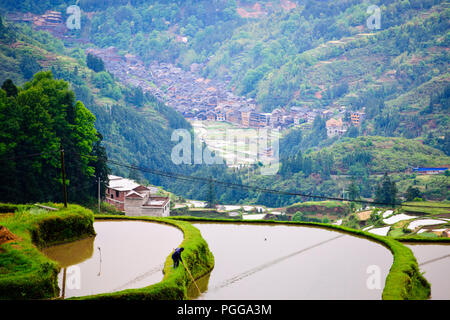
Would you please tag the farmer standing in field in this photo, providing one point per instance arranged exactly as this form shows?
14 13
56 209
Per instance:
176 257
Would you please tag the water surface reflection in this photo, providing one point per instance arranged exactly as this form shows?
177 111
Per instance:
292 262
123 255
434 261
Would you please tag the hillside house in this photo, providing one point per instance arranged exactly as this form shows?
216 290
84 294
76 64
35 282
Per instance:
437 170
245 117
264 119
446 233
155 206
211 116
335 127
356 117
275 117
234 116
134 199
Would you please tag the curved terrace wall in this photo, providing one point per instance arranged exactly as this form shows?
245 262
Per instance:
36 276
25 272
174 286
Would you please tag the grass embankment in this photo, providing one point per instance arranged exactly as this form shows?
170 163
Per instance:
429 210
427 207
202 213
404 281
26 273
174 286
320 207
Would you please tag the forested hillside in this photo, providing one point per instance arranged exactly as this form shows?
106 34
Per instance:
136 129
284 54
302 53
38 120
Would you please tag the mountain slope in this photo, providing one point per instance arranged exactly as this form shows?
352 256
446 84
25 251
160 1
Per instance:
133 134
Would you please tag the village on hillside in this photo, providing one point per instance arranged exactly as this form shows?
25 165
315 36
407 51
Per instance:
197 98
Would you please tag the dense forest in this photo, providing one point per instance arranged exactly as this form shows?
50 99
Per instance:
39 121
319 54
135 128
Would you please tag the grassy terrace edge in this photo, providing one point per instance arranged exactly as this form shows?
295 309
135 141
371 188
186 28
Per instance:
174 286
404 281
25 272
38 277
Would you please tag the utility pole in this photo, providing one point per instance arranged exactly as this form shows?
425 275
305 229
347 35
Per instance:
98 194
211 198
63 173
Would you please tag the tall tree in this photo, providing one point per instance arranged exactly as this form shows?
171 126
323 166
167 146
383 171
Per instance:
353 190
41 119
412 193
95 63
319 129
386 191
10 88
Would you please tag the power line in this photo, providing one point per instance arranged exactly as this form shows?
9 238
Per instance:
191 178
31 155
239 186
255 188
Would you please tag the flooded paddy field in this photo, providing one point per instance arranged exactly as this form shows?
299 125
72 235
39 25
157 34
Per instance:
292 262
434 260
123 255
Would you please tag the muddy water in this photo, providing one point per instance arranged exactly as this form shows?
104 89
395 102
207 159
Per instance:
123 255
291 262
434 260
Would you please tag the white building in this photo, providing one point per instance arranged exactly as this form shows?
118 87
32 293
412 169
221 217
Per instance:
136 200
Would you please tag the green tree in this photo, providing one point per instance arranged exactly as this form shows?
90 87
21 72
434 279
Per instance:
353 132
211 194
10 88
353 190
386 191
95 63
319 128
29 65
135 174
412 193
298 216
41 119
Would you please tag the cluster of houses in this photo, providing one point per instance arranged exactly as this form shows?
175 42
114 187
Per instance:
135 199
337 127
184 90
198 98
50 21
281 118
